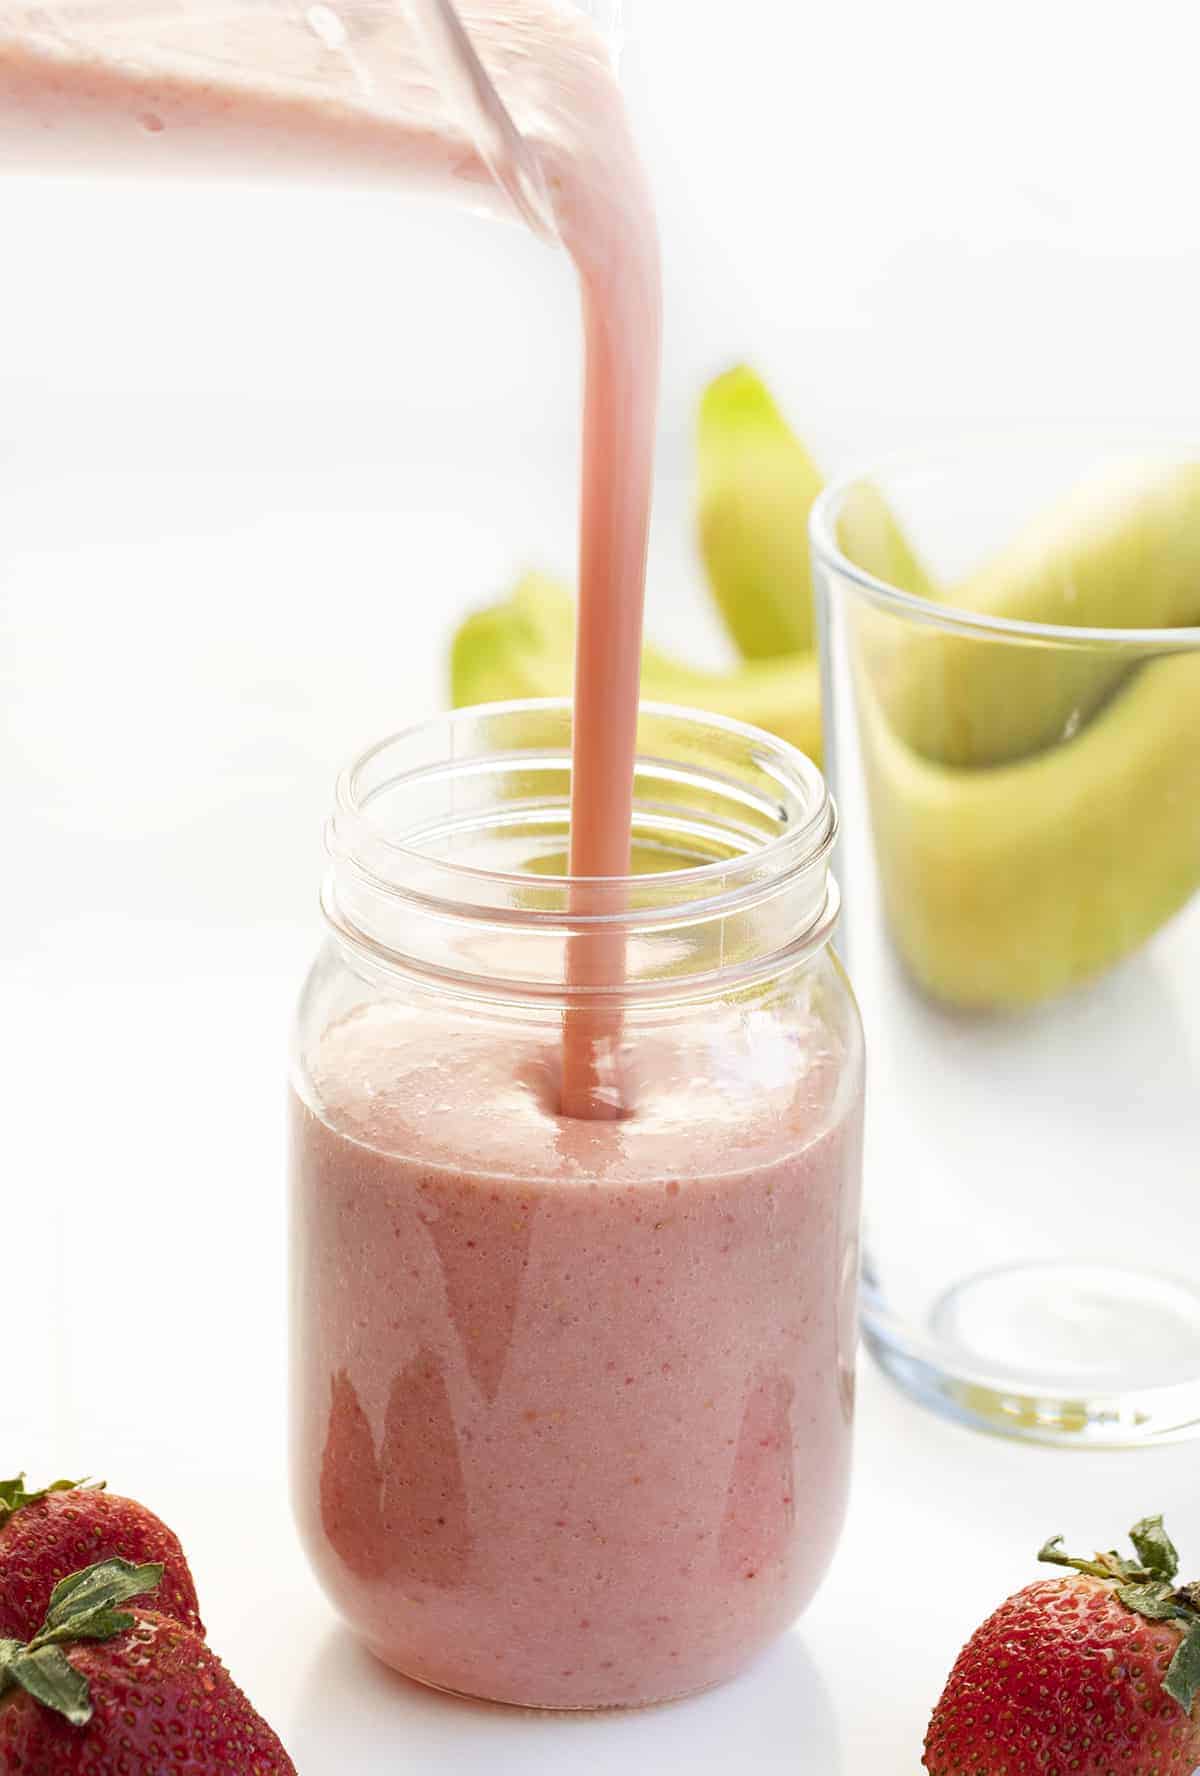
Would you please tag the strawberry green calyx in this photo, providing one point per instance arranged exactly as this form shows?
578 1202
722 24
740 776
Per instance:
1156 1560
1147 1586
13 1495
82 1607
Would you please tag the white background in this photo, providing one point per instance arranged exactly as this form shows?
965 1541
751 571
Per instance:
260 451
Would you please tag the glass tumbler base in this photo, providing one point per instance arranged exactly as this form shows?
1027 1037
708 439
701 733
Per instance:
1055 1352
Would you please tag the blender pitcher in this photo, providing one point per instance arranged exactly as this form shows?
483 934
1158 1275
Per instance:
422 92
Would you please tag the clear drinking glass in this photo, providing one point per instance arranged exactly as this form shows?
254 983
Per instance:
1017 769
572 1398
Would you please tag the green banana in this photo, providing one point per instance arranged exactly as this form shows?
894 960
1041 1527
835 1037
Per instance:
869 536
1117 553
524 646
1035 809
1008 885
756 486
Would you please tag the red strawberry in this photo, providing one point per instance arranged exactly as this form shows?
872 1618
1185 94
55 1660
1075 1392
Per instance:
46 1535
108 1691
1084 1676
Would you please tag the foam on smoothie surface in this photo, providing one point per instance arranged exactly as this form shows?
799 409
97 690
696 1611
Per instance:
405 1084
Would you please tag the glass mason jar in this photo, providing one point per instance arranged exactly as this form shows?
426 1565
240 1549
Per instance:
572 1398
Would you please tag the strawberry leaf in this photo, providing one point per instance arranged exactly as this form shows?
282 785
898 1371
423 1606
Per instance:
76 1603
1155 1600
47 1676
12 1491
81 1608
1183 1673
100 1623
1155 1549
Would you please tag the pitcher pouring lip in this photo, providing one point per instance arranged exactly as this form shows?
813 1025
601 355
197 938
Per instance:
483 113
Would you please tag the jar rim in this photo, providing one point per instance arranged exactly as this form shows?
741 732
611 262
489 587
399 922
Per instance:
496 778
804 842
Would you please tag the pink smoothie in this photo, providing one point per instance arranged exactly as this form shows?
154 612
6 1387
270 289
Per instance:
573 1397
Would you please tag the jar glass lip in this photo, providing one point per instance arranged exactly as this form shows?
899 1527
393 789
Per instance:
823 535
449 843
805 830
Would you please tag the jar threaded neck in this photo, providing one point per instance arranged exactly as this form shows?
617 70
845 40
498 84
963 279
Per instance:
448 856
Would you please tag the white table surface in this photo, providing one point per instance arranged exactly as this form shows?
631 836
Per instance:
198 622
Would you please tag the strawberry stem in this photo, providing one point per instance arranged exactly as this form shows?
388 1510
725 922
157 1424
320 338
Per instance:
1100 1566
1156 1556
